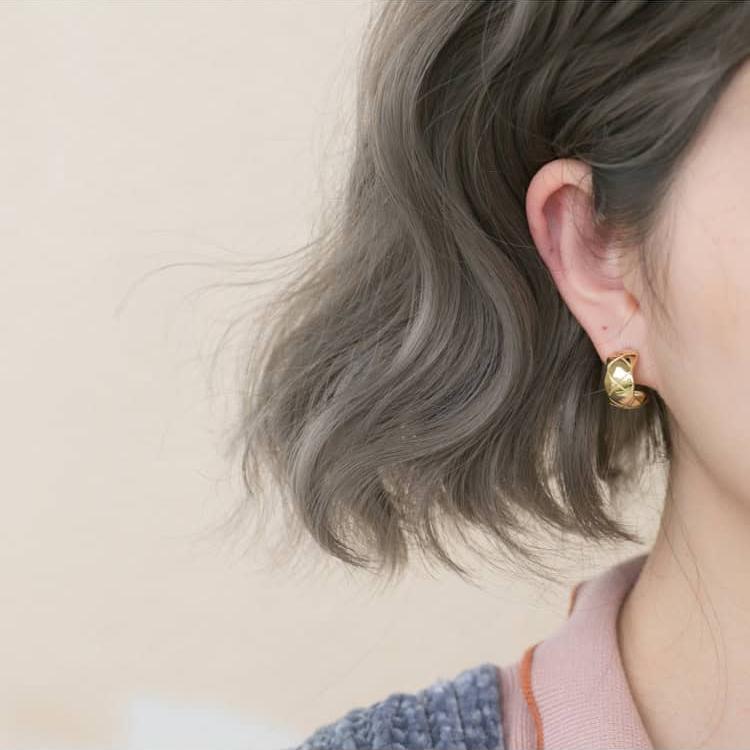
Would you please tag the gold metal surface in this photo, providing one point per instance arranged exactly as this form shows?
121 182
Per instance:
619 381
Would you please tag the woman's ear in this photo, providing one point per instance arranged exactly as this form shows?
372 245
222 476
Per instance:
596 282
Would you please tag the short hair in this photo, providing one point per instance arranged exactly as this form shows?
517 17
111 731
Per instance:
421 368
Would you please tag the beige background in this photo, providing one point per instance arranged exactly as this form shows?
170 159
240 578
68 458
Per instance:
134 135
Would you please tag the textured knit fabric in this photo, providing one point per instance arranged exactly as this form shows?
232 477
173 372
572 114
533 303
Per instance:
462 713
567 692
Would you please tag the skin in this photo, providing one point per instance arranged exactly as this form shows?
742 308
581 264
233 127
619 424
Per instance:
684 628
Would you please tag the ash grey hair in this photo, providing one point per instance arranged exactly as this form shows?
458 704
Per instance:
422 368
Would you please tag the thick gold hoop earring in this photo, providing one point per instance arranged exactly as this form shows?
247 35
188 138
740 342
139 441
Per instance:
619 381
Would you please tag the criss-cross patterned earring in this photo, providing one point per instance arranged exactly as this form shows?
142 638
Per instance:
619 381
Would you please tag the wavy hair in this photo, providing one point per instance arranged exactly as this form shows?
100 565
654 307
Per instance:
421 370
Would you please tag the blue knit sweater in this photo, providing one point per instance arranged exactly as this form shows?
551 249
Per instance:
462 713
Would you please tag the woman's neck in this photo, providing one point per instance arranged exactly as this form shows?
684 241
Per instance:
683 628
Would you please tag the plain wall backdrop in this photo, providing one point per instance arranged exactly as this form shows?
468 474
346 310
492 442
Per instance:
135 135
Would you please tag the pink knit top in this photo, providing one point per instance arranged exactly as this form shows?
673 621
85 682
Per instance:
569 691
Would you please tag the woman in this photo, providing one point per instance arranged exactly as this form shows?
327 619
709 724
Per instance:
538 287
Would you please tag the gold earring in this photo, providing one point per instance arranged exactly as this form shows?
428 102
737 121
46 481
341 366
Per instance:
620 383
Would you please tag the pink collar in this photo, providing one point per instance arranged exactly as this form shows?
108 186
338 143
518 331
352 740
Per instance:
570 691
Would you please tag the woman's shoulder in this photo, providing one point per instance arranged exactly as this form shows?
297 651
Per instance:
463 711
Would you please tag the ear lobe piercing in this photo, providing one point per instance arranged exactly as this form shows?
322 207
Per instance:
619 381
